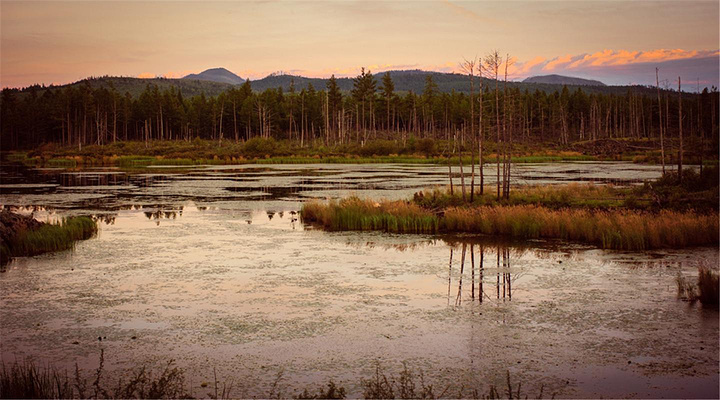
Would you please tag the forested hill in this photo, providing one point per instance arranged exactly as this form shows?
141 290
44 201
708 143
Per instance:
221 75
562 80
135 86
414 80
405 81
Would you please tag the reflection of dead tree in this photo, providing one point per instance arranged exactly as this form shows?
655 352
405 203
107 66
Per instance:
503 277
450 274
472 268
458 299
481 270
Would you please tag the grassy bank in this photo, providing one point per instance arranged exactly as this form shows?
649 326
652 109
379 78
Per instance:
265 151
412 150
48 238
660 214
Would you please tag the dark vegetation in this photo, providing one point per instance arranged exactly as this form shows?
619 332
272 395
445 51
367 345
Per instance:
330 114
562 80
27 380
260 150
705 290
661 214
22 236
221 75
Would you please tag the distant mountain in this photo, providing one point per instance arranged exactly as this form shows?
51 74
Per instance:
135 86
405 81
414 80
562 80
220 75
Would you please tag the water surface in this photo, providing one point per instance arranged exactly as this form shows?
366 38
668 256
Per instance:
210 266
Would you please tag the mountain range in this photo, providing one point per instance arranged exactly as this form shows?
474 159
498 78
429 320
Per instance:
214 81
562 80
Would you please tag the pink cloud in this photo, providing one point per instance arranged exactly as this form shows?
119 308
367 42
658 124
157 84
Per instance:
609 57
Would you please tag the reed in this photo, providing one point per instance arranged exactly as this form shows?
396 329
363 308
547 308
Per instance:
708 285
355 214
551 196
608 229
52 237
26 380
706 290
620 229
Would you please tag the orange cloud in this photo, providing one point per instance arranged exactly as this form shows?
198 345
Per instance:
146 75
557 61
517 68
609 57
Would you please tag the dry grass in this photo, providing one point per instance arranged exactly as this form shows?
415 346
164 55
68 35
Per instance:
620 229
613 229
26 380
354 214
552 196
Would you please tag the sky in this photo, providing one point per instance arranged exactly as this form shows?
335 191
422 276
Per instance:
616 42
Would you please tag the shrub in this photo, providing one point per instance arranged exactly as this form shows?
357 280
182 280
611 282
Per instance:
259 147
379 148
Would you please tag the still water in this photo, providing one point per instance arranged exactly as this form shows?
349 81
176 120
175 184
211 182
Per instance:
211 267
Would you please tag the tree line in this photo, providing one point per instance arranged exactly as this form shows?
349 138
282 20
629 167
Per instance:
79 115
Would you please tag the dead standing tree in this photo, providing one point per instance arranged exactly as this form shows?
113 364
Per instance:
480 132
507 135
468 66
680 132
660 125
492 63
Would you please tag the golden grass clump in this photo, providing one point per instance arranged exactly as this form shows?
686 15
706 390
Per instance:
614 229
355 214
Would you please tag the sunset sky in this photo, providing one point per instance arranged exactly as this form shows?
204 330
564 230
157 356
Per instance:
616 42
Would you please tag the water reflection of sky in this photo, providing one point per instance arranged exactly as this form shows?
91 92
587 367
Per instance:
239 284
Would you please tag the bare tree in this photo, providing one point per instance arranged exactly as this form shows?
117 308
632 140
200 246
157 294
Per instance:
492 62
507 135
480 132
680 133
662 143
469 68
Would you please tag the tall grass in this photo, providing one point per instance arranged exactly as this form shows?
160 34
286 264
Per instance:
706 290
551 196
52 237
354 214
28 381
620 229
608 229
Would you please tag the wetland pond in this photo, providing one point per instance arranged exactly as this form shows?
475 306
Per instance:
211 267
